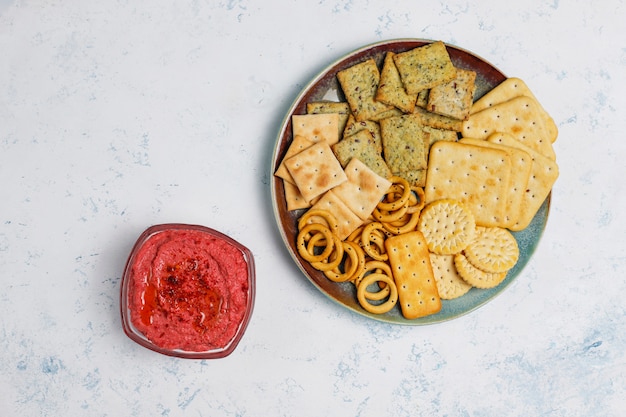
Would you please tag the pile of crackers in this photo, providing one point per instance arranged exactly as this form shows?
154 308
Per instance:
483 168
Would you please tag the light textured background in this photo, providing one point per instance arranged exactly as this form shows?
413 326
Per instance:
115 115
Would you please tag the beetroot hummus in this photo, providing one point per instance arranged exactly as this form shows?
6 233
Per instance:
189 289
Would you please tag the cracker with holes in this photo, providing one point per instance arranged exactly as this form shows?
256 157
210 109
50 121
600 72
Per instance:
476 175
315 170
298 144
521 163
363 189
520 117
494 249
409 259
448 226
359 84
294 198
341 108
455 97
391 90
543 174
424 67
346 219
316 127
449 282
509 89
476 277
361 145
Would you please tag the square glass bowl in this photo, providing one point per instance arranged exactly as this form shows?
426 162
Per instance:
187 291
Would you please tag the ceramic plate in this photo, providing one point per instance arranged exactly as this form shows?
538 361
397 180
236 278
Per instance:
325 87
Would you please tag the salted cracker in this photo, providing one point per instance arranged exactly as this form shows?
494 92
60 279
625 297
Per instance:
391 89
519 117
511 88
418 295
455 97
341 108
475 276
494 249
424 67
363 189
448 226
476 175
347 220
543 174
315 170
297 145
359 84
316 127
294 198
449 282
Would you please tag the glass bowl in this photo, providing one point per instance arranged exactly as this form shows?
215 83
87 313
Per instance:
187 291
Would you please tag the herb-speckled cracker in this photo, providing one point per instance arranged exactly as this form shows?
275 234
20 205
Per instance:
424 67
359 84
455 97
325 107
448 226
391 90
352 127
361 145
405 143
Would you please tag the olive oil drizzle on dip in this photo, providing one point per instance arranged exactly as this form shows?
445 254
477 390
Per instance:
188 290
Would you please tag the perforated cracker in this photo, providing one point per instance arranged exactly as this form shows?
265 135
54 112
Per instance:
346 219
449 282
494 249
477 277
316 127
447 225
298 144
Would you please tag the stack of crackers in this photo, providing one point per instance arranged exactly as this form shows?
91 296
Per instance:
485 168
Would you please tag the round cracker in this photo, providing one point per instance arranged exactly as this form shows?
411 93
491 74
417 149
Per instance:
449 282
447 225
474 276
494 249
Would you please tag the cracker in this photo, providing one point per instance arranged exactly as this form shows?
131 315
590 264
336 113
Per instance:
341 108
346 219
315 170
518 117
440 134
359 84
361 145
316 127
391 90
437 120
494 249
449 282
405 143
511 88
447 225
416 177
424 67
476 175
412 272
422 98
294 198
543 174
455 97
298 144
352 127
477 277
521 163
363 190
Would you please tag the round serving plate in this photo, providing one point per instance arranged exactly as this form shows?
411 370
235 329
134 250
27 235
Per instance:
326 87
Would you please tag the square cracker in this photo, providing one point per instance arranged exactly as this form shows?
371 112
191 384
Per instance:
361 145
348 221
352 127
341 108
391 90
521 163
298 144
294 198
405 143
438 121
455 97
520 117
424 67
363 190
359 84
511 88
316 127
413 274
476 175
315 170
543 174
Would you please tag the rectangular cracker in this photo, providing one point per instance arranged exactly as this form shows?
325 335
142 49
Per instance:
315 170
413 274
455 97
521 163
511 88
476 175
520 117
325 107
316 127
363 190
359 84
348 221
405 143
424 67
543 174
391 90
361 145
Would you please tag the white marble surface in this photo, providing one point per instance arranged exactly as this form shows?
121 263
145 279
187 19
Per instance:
118 115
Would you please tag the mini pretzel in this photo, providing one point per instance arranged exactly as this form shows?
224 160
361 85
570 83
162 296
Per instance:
353 265
364 295
404 195
368 237
330 219
335 257
302 246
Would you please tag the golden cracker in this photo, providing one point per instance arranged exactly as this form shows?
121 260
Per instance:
477 277
448 226
316 127
449 282
494 249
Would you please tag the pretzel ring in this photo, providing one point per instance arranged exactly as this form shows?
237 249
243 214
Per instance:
390 216
354 263
367 237
335 257
363 294
302 246
410 225
419 195
404 197
330 219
